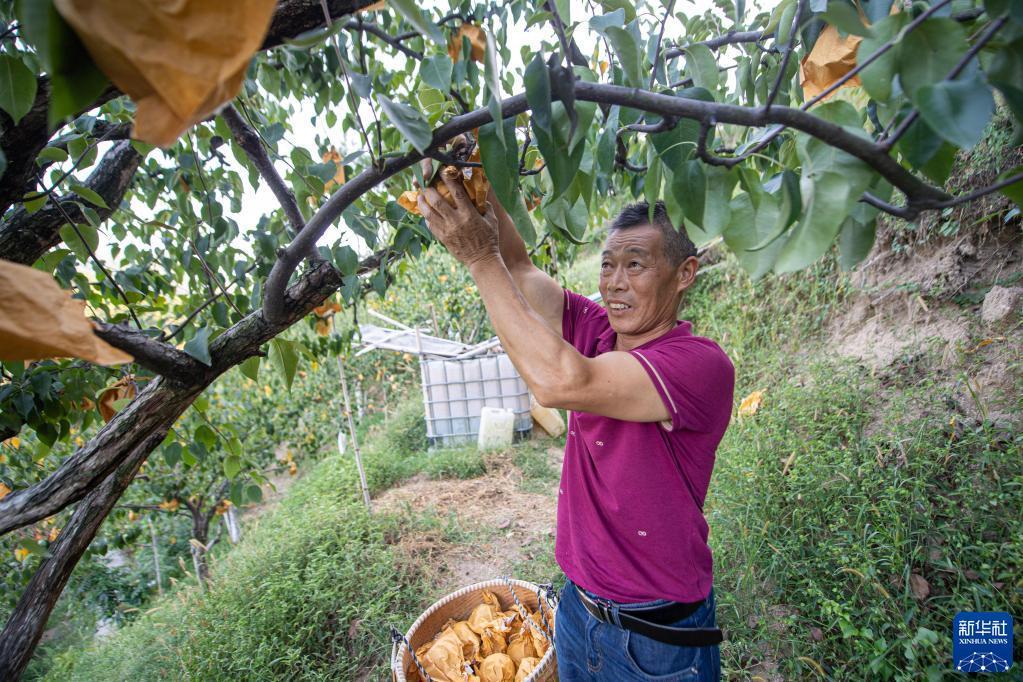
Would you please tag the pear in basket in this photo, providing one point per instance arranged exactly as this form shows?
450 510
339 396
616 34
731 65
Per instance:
469 639
526 668
493 642
487 615
521 646
497 668
442 658
514 619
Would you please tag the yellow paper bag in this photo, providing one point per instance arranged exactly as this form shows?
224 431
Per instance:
179 60
831 58
40 320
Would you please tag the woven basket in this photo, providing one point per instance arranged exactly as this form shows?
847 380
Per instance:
459 605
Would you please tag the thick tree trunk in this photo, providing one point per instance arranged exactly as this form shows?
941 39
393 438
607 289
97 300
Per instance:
28 620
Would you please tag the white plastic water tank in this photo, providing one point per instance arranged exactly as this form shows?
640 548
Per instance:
497 426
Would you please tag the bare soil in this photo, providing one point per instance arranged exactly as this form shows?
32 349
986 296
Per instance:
497 518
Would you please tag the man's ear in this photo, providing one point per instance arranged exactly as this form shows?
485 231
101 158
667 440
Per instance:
685 273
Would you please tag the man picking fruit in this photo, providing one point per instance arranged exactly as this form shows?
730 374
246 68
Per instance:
649 403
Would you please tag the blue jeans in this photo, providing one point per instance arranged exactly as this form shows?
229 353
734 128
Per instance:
590 650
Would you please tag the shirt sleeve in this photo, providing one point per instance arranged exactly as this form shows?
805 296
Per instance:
577 314
695 380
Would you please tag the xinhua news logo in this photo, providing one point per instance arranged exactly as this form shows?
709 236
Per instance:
982 641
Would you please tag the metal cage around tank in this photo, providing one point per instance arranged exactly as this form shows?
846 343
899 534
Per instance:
458 380
455 391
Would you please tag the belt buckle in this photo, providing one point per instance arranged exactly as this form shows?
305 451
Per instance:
604 606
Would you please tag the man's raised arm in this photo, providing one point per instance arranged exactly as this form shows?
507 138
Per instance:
542 293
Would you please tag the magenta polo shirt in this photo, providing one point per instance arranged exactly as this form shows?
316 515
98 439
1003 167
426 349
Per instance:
630 509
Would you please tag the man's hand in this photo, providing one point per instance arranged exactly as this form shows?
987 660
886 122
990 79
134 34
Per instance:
469 236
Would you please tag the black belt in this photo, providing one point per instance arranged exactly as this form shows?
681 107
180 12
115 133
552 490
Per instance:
650 622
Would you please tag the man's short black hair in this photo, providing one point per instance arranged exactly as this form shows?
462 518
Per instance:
677 244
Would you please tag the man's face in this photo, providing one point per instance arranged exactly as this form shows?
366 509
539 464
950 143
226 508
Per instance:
638 283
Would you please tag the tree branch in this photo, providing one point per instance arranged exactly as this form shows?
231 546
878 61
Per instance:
156 356
25 237
393 41
665 105
730 38
294 17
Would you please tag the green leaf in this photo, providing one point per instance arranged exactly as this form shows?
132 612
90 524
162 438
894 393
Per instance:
1005 72
677 145
232 465
89 236
702 67
1015 190
855 241
500 158
957 110
652 179
55 154
324 171
689 189
492 74
205 435
877 78
34 204
17 87
939 166
561 159
409 9
284 358
717 205
748 228
845 18
928 53
346 260
199 346
253 492
606 21
919 143
250 367
89 195
436 72
569 220
628 47
409 122
538 93
172 453
625 5
75 80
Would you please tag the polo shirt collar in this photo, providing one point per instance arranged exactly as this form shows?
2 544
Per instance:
606 339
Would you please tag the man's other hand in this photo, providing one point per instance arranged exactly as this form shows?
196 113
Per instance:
469 236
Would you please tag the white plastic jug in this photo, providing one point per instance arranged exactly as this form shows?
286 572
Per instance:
496 428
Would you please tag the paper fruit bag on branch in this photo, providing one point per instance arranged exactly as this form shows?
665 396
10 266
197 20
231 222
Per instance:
40 320
179 60
831 58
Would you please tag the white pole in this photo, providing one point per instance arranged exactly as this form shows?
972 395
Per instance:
351 431
156 557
